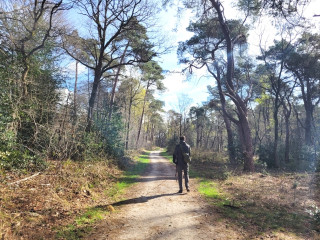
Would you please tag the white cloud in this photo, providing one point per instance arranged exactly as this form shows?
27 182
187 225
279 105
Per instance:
71 68
194 87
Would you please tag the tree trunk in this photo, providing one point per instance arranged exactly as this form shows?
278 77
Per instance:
24 80
287 140
198 134
208 136
308 106
243 123
75 94
308 124
276 138
128 125
246 139
147 133
152 134
231 147
97 76
142 115
180 125
113 92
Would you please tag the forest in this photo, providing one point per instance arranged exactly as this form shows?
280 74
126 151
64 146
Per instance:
81 83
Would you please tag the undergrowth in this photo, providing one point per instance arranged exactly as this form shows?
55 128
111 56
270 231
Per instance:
83 224
65 200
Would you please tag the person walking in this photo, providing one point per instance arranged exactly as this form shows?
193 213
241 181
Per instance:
181 160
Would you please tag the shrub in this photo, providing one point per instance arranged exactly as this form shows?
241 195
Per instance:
172 144
19 159
265 153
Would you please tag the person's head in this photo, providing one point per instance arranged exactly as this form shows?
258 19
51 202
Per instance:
182 138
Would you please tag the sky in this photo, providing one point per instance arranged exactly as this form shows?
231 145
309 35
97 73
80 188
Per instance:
196 87
176 82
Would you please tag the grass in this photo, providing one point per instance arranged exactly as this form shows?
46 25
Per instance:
209 189
165 154
90 216
139 167
134 170
82 225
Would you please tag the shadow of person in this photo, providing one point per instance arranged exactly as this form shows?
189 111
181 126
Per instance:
141 199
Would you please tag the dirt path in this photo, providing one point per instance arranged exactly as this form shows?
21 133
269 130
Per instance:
154 210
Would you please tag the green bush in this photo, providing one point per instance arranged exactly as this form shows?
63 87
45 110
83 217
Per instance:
18 159
266 156
14 156
93 146
304 158
172 144
110 132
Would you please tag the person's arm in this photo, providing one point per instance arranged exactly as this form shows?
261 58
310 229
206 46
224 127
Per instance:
174 157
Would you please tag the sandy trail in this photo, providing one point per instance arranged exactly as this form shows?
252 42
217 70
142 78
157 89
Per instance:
154 210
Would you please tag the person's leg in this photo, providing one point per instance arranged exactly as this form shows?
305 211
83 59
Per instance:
180 178
186 177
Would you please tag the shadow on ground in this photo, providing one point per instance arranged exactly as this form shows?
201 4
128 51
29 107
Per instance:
141 199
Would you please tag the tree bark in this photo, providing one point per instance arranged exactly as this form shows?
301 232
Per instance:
75 93
242 123
231 147
97 76
24 80
287 113
276 137
128 124
308 123
306 90
113 92
142 114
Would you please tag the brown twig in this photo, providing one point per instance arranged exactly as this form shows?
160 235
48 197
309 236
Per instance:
24 179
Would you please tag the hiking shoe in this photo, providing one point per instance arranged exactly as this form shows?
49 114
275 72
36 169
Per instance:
180 191
188 190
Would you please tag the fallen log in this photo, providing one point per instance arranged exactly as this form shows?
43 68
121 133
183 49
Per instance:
24 179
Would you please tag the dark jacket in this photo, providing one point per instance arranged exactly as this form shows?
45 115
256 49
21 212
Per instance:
177 154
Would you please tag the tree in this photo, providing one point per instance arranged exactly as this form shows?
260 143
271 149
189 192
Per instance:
153 118
138 41
151 77
183 103
274 60
303 62
28 30
287 10
132 93
173 123
198 114
287 109
106 49
214 34
221 105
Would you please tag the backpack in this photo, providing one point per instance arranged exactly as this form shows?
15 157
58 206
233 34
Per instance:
186 156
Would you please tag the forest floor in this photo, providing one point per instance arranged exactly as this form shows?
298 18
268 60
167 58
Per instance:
62 202
98 202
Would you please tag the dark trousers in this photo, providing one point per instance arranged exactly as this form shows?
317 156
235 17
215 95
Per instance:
185 169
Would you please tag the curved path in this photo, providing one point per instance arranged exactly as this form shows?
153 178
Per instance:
154 210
